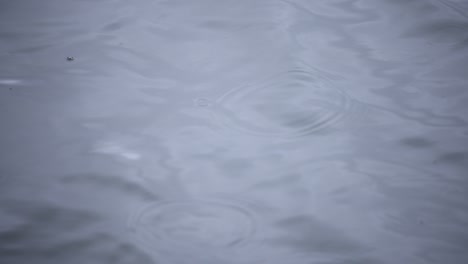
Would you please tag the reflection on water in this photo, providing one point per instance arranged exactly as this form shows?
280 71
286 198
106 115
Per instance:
211 131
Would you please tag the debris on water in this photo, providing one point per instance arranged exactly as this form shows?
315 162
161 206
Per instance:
70 58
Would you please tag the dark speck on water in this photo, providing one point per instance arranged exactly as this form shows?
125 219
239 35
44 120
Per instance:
70 58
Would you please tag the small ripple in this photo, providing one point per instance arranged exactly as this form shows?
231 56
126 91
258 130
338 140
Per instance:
417 142
167 227
440 31
421 115
202 102
295 103
110 182
10 82
455 6
116 149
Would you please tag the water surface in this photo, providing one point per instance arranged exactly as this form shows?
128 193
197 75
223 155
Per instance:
241 132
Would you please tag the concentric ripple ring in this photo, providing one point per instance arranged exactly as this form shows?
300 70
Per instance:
295 103
167 226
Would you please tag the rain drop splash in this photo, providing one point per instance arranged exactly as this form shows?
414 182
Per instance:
192 225
292 104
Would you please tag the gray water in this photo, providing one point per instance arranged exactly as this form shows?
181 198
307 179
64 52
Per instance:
240 132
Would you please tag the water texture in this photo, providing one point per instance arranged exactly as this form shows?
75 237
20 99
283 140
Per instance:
237 132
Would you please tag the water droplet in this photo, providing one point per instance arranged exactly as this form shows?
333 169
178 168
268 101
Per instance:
292 104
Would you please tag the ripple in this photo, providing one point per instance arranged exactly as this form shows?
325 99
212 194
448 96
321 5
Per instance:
202 102
192 224
292 104
10 82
